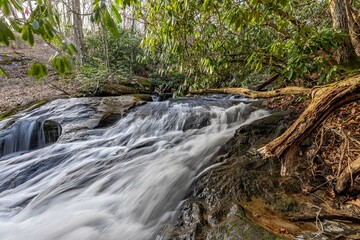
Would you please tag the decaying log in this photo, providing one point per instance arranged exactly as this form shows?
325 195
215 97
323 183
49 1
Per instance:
325 101
255 94
349 172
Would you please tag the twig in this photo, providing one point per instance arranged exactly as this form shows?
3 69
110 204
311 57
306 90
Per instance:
319 186
317 149
318 221
341 159
349 165
60 89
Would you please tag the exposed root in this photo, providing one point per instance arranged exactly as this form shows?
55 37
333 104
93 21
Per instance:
326 100
347 176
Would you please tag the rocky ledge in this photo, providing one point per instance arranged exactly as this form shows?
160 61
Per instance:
243 197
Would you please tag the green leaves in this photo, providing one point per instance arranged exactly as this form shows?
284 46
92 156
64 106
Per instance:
38 70
6 35
116 14
3 72
109 22
62 64
5 8
27 35
103 16
35 24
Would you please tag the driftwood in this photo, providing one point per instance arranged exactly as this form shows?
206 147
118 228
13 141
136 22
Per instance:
325 100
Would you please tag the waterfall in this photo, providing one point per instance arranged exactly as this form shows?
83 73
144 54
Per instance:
120 182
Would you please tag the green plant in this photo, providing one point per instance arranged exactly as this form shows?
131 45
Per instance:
124 52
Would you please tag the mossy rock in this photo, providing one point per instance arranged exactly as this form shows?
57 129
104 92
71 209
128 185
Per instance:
142 97
27 108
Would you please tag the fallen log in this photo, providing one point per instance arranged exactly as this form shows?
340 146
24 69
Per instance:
254 94
325 100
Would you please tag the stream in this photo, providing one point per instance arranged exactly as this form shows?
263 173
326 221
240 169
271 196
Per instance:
123 181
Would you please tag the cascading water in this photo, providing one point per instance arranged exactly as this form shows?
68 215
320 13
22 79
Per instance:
122 182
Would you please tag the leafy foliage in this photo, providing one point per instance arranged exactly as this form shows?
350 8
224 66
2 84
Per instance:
209 43
121 48
220 43
38 70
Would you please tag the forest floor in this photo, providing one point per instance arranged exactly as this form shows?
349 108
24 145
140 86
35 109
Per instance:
18 89
329 149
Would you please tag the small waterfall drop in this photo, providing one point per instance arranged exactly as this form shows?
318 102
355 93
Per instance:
121 182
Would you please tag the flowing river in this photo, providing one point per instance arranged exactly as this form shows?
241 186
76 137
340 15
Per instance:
123 181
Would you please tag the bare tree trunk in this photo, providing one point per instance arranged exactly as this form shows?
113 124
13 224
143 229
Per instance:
78 29
346 52
352 23
105 46
132 49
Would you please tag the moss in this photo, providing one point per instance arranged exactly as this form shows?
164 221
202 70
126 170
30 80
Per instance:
286 205
9 114
145 82
27 107
31 106
142 97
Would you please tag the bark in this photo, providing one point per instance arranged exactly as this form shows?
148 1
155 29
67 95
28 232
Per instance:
353 23
78 28
255 94
346 52
350 172
325 101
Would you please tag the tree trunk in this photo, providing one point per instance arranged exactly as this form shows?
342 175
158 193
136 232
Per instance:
353 23
78 29
325 101
346 52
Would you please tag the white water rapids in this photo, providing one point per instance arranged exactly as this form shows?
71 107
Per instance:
116 183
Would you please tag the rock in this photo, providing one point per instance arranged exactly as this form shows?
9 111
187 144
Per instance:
212 211
52 131
244 196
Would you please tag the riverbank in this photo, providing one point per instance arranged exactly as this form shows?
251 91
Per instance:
244 191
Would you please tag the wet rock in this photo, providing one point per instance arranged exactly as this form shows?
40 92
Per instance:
96 112
243 175
52 131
